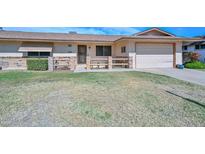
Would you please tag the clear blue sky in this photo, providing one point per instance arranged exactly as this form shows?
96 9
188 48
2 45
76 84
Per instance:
179 31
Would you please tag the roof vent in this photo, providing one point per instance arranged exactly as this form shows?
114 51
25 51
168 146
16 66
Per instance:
72 32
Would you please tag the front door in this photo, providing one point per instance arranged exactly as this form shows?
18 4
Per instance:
82 52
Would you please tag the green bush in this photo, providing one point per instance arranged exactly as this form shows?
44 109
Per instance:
195 65
37 64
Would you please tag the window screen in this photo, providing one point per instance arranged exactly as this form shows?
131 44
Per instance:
103 51
32 54
203 46
38 54
196 46
44 54
123 49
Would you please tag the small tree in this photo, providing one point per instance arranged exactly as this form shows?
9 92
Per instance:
194 56
190 57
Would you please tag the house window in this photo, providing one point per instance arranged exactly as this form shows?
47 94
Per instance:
203 46
123 49
184 48
38 54
33 54
196 46
70 50
103 51
44 54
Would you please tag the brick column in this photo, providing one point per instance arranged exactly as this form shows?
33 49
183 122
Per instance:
109 62
87 62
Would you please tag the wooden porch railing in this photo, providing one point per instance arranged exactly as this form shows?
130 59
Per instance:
108 62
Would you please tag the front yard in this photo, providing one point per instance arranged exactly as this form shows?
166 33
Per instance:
99 99
201 70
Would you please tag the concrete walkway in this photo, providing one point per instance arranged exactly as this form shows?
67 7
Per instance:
189 75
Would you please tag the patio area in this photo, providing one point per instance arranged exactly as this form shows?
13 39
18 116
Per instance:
108 62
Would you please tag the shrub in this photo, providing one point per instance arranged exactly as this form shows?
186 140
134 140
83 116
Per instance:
195 65
37 64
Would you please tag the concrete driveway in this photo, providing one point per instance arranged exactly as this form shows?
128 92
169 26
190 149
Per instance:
189 75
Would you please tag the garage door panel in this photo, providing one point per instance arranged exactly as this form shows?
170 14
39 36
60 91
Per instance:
154 49
154 55
154 61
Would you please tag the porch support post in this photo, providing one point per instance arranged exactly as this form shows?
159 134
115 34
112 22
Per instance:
132 58
87 62
174 55
109 62
130 62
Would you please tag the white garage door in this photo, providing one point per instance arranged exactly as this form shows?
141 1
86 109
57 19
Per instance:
154 55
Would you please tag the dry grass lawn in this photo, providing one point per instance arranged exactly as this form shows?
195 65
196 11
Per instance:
99 99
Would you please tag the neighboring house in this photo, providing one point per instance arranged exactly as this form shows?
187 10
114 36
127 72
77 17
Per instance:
153 48
198 47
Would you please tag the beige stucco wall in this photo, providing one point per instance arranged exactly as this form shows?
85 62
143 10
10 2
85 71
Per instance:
117 48
91 48
63 49
10 49
179 53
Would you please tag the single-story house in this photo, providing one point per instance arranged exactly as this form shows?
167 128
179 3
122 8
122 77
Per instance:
153 48
198 47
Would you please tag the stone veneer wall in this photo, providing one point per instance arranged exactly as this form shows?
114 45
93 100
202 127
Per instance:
50 64
12 63
62 63
54 63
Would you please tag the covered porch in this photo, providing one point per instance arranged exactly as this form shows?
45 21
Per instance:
104 56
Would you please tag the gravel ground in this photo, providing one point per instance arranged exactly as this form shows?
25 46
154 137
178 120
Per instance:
99 99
